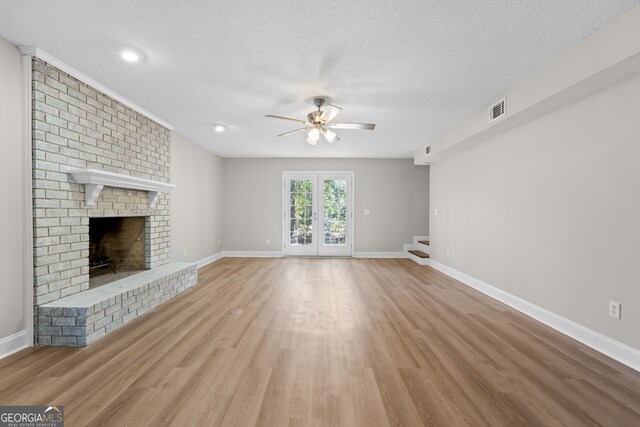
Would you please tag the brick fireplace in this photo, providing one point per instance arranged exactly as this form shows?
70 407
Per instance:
76 127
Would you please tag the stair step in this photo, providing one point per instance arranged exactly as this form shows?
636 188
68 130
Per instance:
419 254
424 242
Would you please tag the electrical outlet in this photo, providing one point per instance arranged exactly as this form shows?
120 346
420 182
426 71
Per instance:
367 211
218 242
185 252
614 309
448 253
267 242
435 211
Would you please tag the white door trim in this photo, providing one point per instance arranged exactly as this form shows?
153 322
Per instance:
351 226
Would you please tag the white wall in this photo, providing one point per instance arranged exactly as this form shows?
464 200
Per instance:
196 202
550 211
395 191
14 190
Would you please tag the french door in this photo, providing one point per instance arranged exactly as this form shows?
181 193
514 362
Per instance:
318 213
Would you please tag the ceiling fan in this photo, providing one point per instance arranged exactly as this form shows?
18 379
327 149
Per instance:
319 122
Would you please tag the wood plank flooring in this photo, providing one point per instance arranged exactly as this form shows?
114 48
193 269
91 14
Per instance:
344 342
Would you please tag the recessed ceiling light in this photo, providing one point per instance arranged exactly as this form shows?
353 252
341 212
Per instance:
131 55
219 128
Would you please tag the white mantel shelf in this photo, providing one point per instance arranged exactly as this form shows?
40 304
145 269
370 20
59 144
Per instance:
95 180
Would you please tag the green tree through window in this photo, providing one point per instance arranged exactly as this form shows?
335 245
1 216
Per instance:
335 212
301 212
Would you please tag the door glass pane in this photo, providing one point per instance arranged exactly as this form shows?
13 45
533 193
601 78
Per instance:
305 186
308 238
335 212
308 211
301 207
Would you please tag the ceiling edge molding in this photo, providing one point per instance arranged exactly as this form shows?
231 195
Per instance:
598 82
40 54
588 68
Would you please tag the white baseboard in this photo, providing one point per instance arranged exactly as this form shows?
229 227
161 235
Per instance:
379 255
610 347
208 260
13 343
279 254
253 254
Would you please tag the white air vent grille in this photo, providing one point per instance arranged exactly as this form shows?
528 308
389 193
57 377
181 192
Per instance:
497 110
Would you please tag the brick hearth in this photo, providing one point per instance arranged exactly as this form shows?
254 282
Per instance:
82 318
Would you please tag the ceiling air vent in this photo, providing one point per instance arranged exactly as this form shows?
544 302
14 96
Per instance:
497 110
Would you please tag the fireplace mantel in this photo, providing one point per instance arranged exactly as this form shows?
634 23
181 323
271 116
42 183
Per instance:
95 180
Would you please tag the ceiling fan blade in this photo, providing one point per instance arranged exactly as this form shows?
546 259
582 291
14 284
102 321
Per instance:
271 116
330 113
329 136
294 131
357 126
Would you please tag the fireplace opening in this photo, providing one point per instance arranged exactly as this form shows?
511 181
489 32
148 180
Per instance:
116 248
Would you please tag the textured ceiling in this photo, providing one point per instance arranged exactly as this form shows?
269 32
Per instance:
412 67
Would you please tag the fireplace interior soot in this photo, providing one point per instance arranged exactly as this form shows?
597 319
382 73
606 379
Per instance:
116 248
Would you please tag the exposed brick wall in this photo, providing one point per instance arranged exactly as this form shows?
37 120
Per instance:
76 126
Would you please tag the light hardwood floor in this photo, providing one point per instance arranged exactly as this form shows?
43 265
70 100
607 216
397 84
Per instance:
327 342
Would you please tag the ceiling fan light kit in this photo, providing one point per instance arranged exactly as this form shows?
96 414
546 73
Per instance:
313 136
330 136
318 123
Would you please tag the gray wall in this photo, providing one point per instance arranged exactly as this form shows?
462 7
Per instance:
13 218
196 202
395 191
549 211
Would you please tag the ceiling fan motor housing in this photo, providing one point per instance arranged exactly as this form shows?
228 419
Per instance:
314 118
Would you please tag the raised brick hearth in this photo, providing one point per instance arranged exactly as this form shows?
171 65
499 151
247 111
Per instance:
82 318
77 127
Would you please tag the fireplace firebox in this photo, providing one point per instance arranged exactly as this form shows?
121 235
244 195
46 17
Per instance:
116 248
